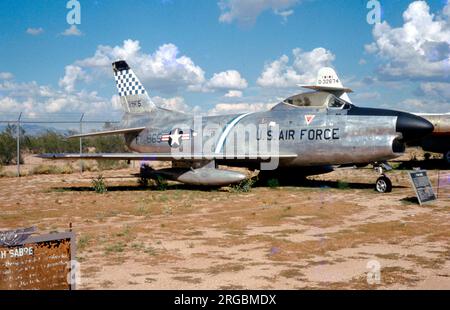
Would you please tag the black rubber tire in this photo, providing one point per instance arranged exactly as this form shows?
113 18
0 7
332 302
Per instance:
447 157
383 185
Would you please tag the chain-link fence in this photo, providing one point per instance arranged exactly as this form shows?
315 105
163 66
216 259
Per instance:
19 128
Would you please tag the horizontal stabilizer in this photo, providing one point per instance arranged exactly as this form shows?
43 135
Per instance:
109 132
328 88
163 156
328 81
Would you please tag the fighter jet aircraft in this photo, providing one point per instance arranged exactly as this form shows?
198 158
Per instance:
306 133
439 140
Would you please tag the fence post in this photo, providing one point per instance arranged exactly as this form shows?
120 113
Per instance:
81 143
18 144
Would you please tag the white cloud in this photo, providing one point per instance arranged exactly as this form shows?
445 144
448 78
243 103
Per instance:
72 75
234 94
165 69
230 79
247 11
231 108
413 103
421 105
420 49
32 98
431 97
174 104
436 90
6 75
35 31
303 70
72 31
8 104
284 14
116 102
366 96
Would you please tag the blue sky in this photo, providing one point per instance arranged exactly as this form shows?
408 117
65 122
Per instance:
229 53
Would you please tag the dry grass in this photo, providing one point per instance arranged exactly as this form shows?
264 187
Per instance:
219 239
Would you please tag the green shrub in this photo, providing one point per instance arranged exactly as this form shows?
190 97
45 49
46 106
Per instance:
244 186
161 183
83 241
88 165
8 145
342 185
111 164
99 185
115 248
66 169
273 183
8 174
143 181
51 169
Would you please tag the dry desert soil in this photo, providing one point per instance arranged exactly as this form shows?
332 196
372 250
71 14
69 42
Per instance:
325 233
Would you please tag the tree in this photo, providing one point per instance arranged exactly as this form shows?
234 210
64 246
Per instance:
8 147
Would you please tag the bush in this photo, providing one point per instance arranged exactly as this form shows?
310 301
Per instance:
161 183
52 142
343 185
51 169
273 183
8 145
8 174
66 169
99 185
111 164
143 182
244 187
88 165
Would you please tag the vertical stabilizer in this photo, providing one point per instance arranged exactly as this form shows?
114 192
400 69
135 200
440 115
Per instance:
133 96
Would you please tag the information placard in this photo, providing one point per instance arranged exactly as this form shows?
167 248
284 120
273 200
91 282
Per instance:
422 186
38 263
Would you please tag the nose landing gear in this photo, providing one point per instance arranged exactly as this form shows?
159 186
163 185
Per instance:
383 183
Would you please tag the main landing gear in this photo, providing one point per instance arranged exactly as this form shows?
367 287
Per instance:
383 183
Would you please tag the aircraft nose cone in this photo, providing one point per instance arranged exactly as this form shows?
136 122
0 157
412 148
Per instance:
413 127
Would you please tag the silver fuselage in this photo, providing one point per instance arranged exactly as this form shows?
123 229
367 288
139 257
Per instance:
332 137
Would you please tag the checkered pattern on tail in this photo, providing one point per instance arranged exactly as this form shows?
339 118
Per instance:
133 97
128 84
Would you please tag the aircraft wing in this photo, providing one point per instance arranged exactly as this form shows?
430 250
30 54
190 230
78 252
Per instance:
164 156
109 132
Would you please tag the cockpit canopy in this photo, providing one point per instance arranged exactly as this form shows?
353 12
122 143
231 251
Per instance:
317 99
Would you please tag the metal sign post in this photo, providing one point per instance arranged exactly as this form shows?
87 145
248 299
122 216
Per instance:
18 144
81 143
